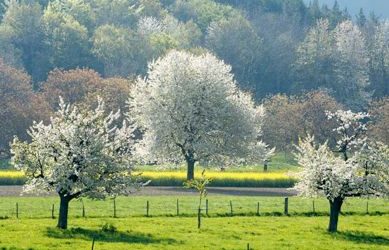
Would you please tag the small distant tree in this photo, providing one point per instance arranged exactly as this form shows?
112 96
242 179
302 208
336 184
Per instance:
236 42
379 58
79 154
22 22
66 38
283 121
81 87
200 185
19 105
73 86
122 51
335 59
314 118
355 168
379 127
289 117
191 110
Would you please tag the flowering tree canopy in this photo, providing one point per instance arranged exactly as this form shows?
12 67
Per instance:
358 167
191 110
79 154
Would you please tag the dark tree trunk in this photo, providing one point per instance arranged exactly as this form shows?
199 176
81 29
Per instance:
190 171
63 212
335 207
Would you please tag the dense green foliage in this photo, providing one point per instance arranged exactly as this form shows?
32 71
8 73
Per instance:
258 38
273 46
381 8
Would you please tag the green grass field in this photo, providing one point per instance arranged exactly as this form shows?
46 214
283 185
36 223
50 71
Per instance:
356 232
163 229
27 223
166 206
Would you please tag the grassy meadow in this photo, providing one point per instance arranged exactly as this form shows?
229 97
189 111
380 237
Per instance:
166 206
169 222
356 232
164 229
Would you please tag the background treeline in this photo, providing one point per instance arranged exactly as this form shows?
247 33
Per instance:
297 59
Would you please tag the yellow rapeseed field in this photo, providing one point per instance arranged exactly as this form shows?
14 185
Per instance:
182 175
11 174
218 175
222 179
176 178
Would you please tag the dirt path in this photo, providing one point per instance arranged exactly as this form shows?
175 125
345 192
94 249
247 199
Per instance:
179 191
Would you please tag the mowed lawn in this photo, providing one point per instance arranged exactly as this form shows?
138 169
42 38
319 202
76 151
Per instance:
356 232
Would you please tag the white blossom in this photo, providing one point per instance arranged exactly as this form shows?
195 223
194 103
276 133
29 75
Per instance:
358 167
79 153
148 25
351 130
191 109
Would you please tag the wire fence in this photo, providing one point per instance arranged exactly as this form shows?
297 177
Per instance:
212 207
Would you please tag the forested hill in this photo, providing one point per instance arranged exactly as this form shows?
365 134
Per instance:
379 7
83 48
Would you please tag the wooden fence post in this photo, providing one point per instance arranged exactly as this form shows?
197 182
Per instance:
17 210
83 210
206 207
52 211
114 207
286 208
178 208
258 208
367 207
313 206
147 208
232 212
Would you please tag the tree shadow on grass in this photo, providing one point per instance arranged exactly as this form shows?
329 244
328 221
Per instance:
362 237
99 235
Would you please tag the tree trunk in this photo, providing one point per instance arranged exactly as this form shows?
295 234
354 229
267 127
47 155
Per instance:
63 212
190 171
335 207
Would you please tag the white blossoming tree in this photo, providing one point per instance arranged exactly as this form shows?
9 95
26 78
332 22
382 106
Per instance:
79 154
357 167
191 110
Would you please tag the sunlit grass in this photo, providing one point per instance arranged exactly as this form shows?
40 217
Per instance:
162 206
356 232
